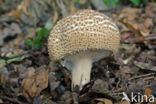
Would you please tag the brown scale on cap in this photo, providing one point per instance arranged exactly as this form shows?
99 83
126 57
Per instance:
83 37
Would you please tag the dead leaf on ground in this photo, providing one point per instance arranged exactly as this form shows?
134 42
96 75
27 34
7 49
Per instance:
130 13
136 28
145 66
1 2
148 22
147 93
123 102
149 10
15 13
55 13
11 31
104 101
53 83
62 5
23 7
24 73
2 80
33 85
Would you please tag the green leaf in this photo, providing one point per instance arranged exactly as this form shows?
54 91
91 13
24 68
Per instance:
76 1
135 2
115 2
29 43
107 3
17 59
41 32
37 45
2 61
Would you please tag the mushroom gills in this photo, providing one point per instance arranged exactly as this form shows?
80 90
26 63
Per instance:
80 65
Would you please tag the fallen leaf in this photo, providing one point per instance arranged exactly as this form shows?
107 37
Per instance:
55 13
101 86
2 63
15 13
1 2
62 5
26 72
145 66
148 22
53 83
147 93
2 80
149 10
136 28
33 85
133 11
123 102
11 31
4 76
67 97
104 101
23 7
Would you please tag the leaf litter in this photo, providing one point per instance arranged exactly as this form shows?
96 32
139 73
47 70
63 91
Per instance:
30 77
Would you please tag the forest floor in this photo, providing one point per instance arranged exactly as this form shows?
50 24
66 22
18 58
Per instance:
27 74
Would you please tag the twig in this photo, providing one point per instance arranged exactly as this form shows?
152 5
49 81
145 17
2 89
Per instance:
139 39
13 100
142 76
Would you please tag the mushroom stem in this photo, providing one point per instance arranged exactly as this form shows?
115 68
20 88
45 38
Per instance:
81 71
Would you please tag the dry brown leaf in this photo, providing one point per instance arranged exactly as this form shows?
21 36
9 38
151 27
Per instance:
123 102
147 93
23 7
1 2
149 9
27 72
130 13
104 101
55 15
131 25
148 22
2 80
33 85
15 13
136 28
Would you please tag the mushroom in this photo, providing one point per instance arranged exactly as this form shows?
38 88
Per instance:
80 39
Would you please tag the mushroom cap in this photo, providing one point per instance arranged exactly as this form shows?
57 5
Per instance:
82 31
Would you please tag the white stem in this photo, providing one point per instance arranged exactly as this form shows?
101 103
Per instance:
81 71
